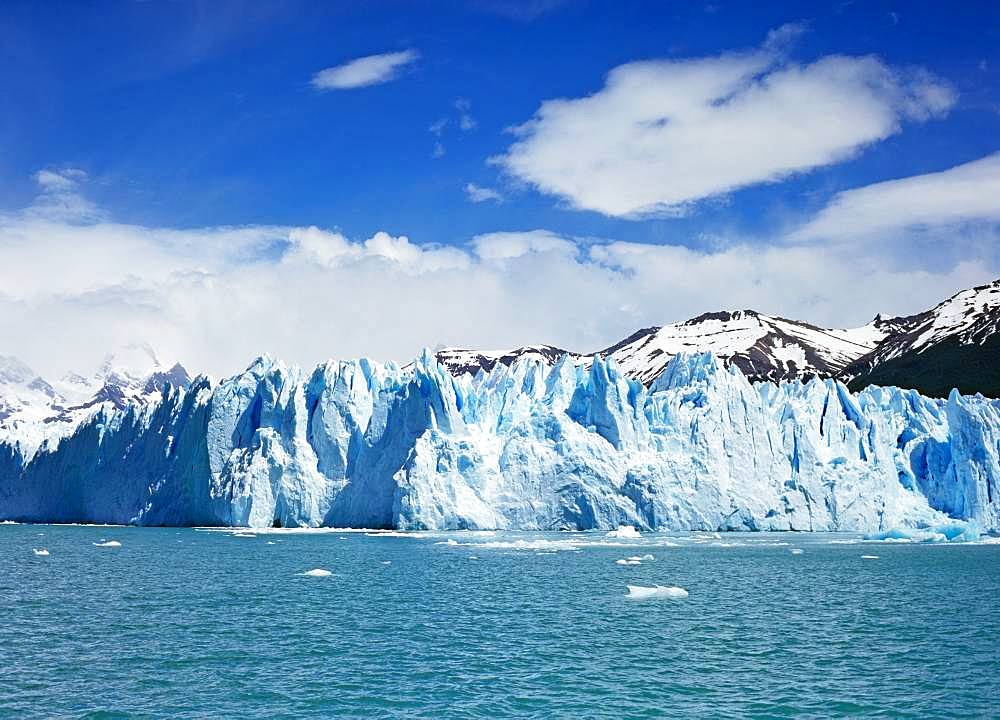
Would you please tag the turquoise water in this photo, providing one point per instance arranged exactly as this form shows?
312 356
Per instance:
189 623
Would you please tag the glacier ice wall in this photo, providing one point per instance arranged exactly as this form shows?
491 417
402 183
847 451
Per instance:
364 444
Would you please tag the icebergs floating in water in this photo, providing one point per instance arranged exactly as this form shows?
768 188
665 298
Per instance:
627 561
796 551
869 557
41 552
624 532
668 592
244 534
317 572
109 544
951 532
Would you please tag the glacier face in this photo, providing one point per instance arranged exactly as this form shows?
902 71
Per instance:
529 446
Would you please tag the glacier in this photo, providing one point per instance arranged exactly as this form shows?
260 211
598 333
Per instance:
531 446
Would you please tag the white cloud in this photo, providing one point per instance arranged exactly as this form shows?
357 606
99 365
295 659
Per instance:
465 120
216 297
963 194
479 194
437 127
58 196
365 71
438 151
663 134
508 245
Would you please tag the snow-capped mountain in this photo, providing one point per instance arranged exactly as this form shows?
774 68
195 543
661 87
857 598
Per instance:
33 410
955 344
762 346
459 361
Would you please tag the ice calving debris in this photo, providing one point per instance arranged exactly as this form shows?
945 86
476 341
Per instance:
628 561
473 557
638 592
796 551
869 557
624 532
41 552
551 545
109 543
270 542
244 534
387 562
449 541
647 556
317 572
950 532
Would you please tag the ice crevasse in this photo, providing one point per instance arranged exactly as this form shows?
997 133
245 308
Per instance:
530 446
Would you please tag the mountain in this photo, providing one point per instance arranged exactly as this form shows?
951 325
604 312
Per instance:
762 346
525 446
954 344
33 410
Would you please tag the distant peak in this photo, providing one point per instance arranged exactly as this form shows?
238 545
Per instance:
723 316
14 371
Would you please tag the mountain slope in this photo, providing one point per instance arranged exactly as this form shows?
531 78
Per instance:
762 346
952 345
33 411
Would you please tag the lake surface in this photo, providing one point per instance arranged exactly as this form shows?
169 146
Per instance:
195 624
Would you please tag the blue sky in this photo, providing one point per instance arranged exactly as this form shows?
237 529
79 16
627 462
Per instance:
172 122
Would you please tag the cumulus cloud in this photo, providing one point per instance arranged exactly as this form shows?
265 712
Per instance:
478 194
214 298
964 194
663 134
365 71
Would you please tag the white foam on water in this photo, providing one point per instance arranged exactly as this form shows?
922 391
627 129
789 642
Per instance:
109 543
40 552
666 592
796 551
624 532
869 557
538 544
317 572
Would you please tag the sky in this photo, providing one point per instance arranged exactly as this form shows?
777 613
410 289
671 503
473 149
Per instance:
333 180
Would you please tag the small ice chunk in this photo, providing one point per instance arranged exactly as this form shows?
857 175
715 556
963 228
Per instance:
387 562
270 542
647 557
639 592
621 562
245 534
796 551
109 543
869 557
637 558
41 552
473 557
624 532
317 572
